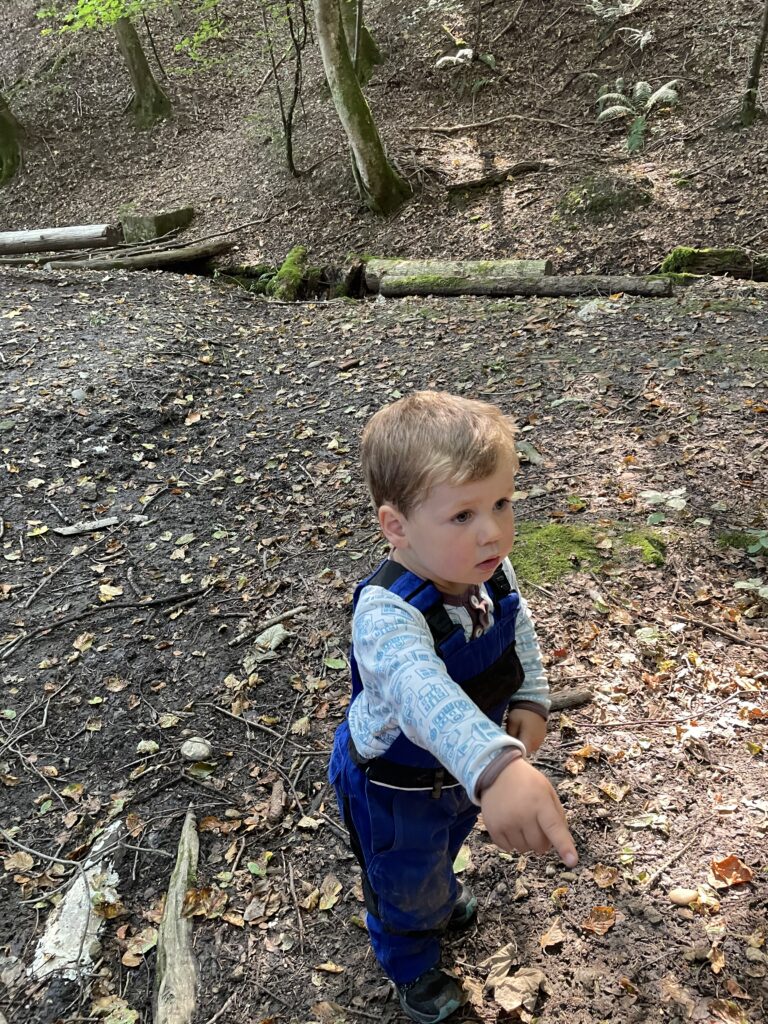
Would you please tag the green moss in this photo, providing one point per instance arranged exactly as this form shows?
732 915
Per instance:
288 280
735 539
599 197
678 260
545 552
651 544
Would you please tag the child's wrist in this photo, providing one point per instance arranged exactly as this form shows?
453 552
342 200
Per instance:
492 771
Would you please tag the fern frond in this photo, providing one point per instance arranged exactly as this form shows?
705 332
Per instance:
666 94
614 97
613 113
636 135
641 91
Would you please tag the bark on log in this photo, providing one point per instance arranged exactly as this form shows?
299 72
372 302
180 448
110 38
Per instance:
176 973
158 260
396 278
438 275
572 698
500 176
732 262
78 236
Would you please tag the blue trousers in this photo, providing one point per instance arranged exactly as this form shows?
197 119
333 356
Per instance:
406 842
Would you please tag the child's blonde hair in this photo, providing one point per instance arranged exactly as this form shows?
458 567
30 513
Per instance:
431 438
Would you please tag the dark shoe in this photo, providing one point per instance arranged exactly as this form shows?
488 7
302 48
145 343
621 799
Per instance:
432 997
464 909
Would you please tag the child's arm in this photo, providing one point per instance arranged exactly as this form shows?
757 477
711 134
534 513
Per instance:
407 689
522 812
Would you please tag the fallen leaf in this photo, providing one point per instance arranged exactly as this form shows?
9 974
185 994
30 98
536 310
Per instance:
521 992
729 871
600 920
500 963
463 860
611 789
330 968
18 861
605 876
330 888
553 936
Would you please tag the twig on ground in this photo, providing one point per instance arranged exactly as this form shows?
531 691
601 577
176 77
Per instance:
723 632
299 920
454 129
220 1012
242 637
653 879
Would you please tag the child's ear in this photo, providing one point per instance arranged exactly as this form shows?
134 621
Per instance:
392 525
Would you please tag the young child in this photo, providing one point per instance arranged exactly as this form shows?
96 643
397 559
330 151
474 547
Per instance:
448 690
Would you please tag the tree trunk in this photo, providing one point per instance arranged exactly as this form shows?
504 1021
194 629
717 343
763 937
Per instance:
361 44
384 191
10 151
79 236
149 104
749 100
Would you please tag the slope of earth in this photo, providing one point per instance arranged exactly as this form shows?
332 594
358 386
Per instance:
531 98
203 446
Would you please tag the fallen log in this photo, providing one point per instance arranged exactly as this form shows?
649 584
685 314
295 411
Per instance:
500 176
458 279
160 259
79 236
733 262
435 276
176 973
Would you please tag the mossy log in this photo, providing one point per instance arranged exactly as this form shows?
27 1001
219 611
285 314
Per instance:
732 262
160 259
447 277
395 278
77 236
176 973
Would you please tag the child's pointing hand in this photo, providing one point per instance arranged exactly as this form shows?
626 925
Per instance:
522 812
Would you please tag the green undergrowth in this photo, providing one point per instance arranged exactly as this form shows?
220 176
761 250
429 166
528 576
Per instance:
546 552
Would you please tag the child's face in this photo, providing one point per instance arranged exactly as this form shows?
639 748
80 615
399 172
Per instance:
460 534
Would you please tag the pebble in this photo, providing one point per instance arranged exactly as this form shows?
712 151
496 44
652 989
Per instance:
568 876
195 749
682 897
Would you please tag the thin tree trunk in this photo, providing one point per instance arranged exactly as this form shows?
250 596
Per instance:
749 100
384 190
150 104
361 44
10 150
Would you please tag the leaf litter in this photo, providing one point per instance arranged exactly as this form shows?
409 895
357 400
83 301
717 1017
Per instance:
212 498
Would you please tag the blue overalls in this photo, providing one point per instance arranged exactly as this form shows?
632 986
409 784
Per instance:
407 816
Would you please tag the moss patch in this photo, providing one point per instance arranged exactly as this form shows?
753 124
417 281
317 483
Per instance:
651 544
736 539
600 197
288 280
545 552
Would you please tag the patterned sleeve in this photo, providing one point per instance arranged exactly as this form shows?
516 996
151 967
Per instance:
535 689
406 689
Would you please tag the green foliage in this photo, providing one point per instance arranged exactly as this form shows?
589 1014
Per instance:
620 103
208 29
545 553
612 11
94 14
758 587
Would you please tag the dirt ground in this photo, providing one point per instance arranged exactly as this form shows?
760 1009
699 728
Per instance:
219 433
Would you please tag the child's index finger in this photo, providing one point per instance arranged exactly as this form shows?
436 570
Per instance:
555 829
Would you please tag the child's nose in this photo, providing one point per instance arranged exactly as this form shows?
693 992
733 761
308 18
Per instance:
490 531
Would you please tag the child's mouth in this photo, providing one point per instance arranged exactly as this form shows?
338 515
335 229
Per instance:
489 563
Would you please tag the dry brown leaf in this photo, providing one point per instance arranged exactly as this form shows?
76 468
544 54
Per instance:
209 902
330 888
605 876
600 920
612 790
553 936
729 871
521 992
19 861
672 991
500 963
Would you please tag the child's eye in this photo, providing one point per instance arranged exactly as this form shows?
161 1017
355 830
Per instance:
462 517
501 503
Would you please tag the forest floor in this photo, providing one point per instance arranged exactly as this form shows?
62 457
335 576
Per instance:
532 97
219 432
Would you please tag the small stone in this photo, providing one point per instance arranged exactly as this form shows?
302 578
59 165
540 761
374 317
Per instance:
195 749
652 915
78 395
682 897
568 876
